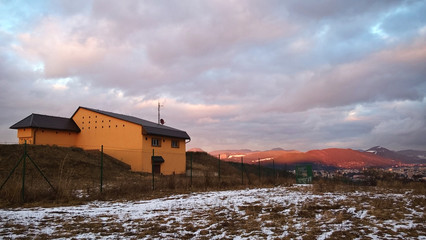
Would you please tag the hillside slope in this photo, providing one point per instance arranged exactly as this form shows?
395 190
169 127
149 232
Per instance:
56 162
405 156
348 158
74 174
324 158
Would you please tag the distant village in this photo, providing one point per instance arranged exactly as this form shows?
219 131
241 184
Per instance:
357 166
409 171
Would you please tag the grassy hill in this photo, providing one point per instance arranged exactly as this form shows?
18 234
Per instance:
231 173
73 172
75 176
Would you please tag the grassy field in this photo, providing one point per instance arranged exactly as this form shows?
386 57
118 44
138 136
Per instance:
293 212
75 176
240 205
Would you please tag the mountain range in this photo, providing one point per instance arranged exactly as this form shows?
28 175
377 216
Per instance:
324 158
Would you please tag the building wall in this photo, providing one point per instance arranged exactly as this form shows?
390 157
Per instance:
174 158
53 137
46 136
120 139
25 134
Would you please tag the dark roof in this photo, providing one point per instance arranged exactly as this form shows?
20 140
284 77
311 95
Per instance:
157 159
47 122
150 128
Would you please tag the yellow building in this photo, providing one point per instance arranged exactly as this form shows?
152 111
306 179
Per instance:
142 144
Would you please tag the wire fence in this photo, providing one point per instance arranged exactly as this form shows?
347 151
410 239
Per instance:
58 173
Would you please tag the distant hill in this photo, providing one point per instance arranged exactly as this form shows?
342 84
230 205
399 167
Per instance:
230 152
277 149
419 155
325 158
405 156
348 158
196 150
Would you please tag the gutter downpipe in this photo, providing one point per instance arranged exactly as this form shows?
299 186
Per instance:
35 133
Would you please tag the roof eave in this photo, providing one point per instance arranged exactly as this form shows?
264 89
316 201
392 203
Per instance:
56 129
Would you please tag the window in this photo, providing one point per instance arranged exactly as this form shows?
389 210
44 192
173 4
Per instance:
175 144
156 142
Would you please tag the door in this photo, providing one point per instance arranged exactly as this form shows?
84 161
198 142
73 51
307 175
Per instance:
156 168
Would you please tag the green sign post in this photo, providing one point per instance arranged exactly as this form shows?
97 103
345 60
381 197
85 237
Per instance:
304 174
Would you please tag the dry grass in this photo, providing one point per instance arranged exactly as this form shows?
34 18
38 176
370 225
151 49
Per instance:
75 175
297 212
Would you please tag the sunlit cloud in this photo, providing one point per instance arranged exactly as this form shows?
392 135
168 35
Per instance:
238 74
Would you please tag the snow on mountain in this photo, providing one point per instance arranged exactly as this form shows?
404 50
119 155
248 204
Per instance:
405 156
333 157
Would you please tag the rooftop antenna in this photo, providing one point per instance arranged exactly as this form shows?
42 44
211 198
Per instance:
160 121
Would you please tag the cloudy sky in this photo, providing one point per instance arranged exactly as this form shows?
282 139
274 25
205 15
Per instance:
233 74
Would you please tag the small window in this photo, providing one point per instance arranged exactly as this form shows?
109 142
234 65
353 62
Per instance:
175 144
156 142
96 121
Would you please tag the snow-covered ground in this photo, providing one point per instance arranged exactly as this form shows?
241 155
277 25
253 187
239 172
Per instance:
267 213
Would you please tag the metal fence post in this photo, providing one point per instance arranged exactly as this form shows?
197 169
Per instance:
23 172
242 171
192 153
152 170
102 166
273 166
219 168
258 163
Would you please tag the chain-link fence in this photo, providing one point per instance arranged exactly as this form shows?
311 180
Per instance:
37 173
